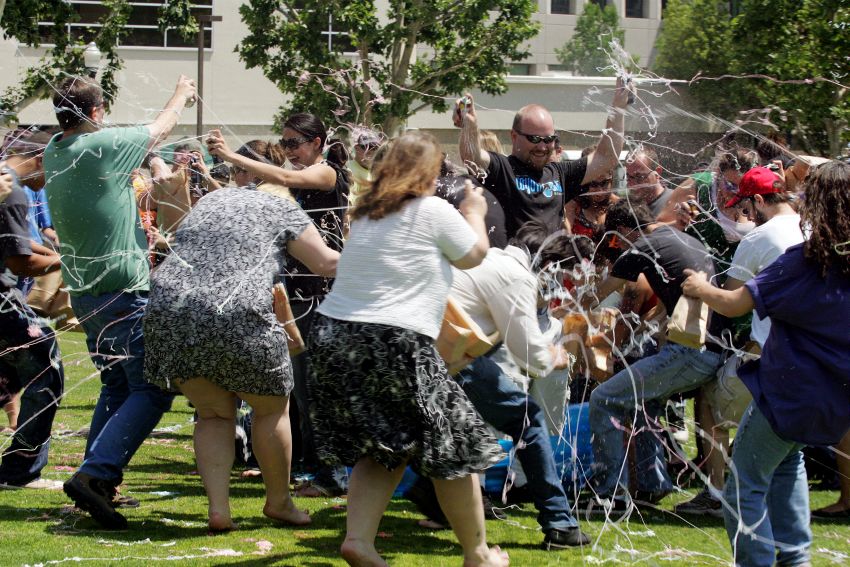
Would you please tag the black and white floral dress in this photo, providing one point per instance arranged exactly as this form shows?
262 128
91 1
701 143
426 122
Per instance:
384 392
210 310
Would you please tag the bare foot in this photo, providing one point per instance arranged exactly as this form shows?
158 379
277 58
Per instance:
360 554
838 507
495 558
251 473
219 522
287 514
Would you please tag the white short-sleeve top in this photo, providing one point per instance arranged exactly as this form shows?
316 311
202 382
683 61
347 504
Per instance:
396 270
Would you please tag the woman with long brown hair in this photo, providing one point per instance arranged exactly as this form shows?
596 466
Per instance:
381 395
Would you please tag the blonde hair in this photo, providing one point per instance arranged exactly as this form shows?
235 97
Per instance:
488 141
407 171
276 190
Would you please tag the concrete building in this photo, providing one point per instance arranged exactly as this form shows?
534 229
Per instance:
242 102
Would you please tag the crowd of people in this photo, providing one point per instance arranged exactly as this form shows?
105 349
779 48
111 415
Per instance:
209 280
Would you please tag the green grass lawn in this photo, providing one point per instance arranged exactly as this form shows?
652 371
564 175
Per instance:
41 527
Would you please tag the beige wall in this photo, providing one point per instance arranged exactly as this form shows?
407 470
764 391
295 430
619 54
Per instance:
243 102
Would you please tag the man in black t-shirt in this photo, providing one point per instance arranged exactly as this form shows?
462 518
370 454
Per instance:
30 359
526 183
661 253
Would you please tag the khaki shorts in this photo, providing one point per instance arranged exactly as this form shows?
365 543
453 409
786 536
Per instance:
728 396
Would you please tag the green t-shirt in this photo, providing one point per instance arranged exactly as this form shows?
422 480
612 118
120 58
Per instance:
104 249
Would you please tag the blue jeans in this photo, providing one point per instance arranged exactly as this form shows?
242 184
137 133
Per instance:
31 362
767 496
637 393
128 407
506 407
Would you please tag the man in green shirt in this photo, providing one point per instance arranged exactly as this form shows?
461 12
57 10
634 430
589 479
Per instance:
104 264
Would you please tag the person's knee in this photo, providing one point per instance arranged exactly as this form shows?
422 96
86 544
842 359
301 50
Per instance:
264 406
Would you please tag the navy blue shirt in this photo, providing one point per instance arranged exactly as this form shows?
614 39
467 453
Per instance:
802 381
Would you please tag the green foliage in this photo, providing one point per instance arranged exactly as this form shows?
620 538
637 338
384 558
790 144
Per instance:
804 47
178 14
419 54
792 54
65 57
587 51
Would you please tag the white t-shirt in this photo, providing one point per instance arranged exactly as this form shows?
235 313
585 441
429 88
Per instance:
396 270
757 250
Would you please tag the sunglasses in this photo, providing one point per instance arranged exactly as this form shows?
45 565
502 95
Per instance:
368 147
553 139
601 183
292 143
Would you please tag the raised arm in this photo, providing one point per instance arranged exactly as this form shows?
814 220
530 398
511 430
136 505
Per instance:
320 176
607 153
166 121
469 144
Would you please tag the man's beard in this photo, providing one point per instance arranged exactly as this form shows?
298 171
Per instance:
760 219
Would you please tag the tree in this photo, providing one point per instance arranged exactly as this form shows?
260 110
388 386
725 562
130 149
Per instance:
696 41
587 51
419 53
20 20
799 58
786 59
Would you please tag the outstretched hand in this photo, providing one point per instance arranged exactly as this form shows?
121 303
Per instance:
216 144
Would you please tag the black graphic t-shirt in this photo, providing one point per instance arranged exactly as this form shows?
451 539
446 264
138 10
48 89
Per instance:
527 193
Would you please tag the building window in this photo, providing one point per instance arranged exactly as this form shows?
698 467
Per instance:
562 7
519 68
600 3
559 68
337 40
636 9
142 27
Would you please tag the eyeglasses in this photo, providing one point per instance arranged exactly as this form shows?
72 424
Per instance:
553 139
639 177
234 170
601 183
292 143
729 186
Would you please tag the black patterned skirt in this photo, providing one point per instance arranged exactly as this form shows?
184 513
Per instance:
384 392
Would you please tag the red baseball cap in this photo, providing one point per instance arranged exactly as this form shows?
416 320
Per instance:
757 181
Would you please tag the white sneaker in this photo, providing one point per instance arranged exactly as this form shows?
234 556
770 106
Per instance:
44 484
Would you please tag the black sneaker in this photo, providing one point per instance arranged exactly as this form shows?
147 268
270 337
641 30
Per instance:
422 494
94 495
491 512
612 508
562 539
647 498
703 504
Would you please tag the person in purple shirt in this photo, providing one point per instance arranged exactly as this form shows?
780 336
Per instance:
801 384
